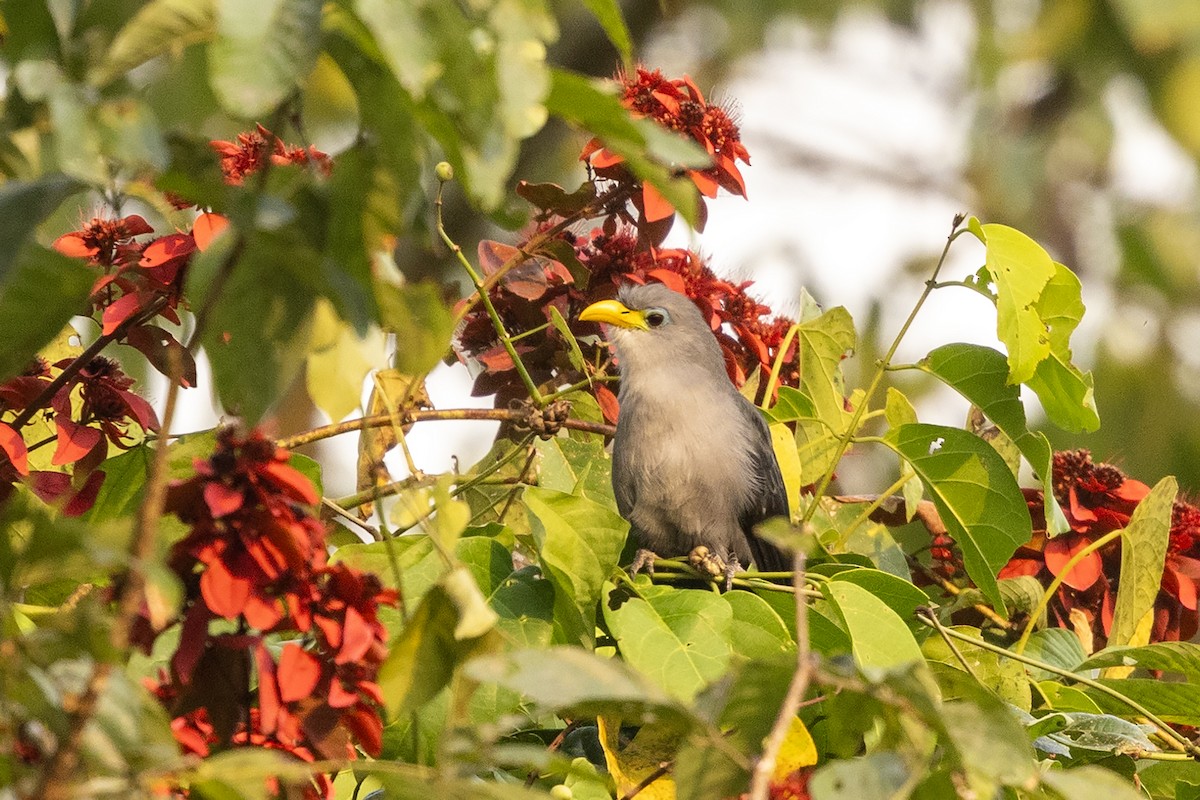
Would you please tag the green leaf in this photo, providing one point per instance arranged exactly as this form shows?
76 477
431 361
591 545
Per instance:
975 494
677 637
404 41
1061 307
1003 676
608 14
790 405
898 594
1021 269
1143 554
417 314
158 27
38 297
23 206
1172 702
579 543
1058 647
422 659
822 344
1178 657
262 51
899 411
579 101
878 775
1067 395
1088 783
990 739
980 374
575 682
756 630
76 135
1102 733
577 466
258 330
879 638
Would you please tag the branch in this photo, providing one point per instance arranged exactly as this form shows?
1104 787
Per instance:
427 414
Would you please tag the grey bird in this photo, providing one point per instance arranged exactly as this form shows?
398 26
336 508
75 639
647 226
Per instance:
693 466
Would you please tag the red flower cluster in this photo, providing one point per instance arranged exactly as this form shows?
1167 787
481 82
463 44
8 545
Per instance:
91 410
557 270
677 105
1098 499
256 555
251 150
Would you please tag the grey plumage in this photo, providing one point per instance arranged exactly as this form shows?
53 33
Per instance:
692 458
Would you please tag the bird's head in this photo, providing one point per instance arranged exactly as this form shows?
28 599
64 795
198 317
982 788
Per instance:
657 327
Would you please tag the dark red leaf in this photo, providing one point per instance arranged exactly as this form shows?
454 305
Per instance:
14 447
222 500
224 592
74 441
292 481
1062 549
357 637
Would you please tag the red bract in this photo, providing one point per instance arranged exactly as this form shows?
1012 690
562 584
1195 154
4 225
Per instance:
677 105
248 153
106 242
256 554
1098 499
106 408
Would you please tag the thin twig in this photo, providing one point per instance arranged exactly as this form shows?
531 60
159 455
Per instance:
429 414
660 771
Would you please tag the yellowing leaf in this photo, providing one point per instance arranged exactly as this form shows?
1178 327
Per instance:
784 444
1021 269
797 751
338 362
1143 552
393 393
653 746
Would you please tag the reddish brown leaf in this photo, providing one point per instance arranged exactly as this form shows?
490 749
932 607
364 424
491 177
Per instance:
608 403
357 637
292 481
224 592
222 500
206 228
14 447
74 441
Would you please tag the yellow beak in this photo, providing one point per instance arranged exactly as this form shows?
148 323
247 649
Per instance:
614 313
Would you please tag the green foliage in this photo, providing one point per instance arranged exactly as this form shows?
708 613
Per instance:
519 650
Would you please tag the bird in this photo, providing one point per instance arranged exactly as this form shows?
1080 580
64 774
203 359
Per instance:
693 468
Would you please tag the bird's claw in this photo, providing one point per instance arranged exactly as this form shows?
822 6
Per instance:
709 563
643 559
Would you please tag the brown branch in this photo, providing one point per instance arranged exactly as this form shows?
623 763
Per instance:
428 414
82 360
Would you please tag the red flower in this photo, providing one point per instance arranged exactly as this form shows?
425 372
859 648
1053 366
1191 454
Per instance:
677 105
249 152
105 242
1098 499
105 411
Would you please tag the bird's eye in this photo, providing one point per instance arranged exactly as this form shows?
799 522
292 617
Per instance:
655 319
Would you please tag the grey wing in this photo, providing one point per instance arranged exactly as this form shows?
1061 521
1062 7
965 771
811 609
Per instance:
622 478
770 498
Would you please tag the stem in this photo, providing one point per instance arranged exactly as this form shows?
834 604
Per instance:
778 365
428 414
764 768
486 299
871 508
927 617
856 419
1047 595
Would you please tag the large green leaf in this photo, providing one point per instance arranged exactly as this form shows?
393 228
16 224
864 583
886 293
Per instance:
158 27
1067 395
575 682
822 345
976 496
756 630
577 466
1021 269
38 297
1182 658
1172 702
23 206
879 638
422 659
1088 783
1143 554
898 594
262 51
980 374
678 637
579 543
258 333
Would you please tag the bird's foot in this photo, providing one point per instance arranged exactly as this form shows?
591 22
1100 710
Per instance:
643 559
707 562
